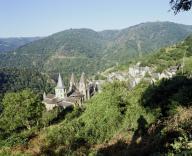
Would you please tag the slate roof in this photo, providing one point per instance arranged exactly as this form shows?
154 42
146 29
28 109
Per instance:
50 96
65 104
60 102
76 94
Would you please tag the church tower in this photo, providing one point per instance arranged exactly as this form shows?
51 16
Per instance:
72 84
60 89
82 86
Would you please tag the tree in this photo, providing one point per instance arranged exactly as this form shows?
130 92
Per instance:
180 5
20 110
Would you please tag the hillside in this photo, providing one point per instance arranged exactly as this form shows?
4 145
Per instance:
10 44
78 50
178 54
145 38
152 119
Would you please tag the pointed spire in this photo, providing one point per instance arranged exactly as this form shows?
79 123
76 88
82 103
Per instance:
60 82
72 81
82 85
82 79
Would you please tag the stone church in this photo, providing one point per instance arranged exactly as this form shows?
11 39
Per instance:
74 96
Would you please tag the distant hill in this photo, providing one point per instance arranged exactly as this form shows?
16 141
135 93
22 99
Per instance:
70 42
145 38
9 44
77 50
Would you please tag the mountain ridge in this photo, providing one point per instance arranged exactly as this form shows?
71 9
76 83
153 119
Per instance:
78 50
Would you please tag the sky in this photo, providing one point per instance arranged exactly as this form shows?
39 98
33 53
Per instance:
25 18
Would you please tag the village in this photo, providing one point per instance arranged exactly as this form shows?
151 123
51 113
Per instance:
79 92
137 73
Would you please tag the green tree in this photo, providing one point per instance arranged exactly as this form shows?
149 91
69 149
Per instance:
21 110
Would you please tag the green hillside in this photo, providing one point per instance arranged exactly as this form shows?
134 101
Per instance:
145 38
178 54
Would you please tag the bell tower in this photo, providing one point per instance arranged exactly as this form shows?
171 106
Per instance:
60 88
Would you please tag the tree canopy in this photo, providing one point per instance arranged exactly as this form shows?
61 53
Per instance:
180 5
20 110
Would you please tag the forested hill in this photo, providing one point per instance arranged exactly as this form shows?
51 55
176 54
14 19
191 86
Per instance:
134 39
9 44
145 38
78 50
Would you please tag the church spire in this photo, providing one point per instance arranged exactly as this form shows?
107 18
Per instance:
72 82
60 89
82 79
60 82
82 85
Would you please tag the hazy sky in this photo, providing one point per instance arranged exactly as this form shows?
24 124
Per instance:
44 17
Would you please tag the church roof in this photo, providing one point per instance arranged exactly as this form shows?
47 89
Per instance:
65 104
73 99
68 102
76 94
60 83
50 96
51 101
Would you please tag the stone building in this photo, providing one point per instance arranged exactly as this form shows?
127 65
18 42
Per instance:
74 96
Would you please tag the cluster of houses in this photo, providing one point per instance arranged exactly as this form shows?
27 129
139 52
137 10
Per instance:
136 73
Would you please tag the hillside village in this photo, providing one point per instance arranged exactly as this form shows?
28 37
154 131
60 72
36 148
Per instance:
77 93
137 73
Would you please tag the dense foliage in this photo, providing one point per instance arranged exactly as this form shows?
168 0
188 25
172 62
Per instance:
168 94
20 110
12 79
